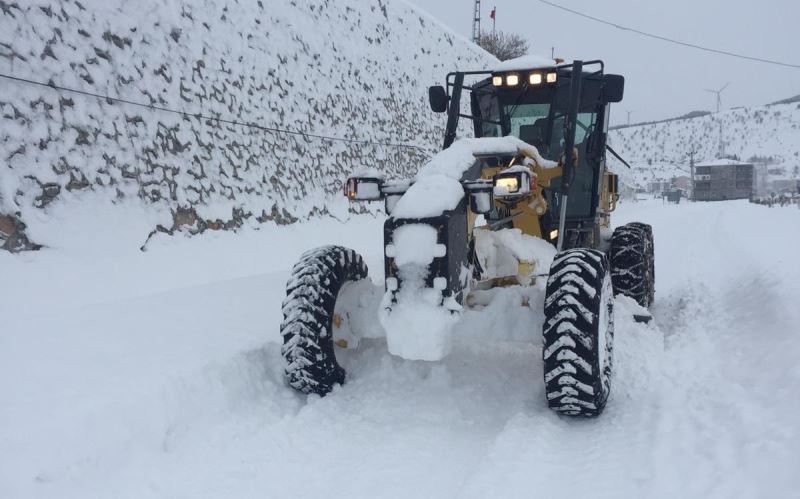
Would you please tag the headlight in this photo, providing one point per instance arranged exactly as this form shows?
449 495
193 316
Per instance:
512 80
507 185
551 77
497 81
535 78
514 182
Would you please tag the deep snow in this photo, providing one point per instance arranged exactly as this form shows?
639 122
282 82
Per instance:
157 374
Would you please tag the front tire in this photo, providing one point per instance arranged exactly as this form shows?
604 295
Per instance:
578 333
308 312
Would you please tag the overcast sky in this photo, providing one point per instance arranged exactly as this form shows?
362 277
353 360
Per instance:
662 79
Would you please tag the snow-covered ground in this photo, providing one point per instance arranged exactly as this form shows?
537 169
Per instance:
158 374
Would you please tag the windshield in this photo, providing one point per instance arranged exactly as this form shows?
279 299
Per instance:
532 117
529 123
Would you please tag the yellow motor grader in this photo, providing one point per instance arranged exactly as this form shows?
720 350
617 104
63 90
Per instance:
533 179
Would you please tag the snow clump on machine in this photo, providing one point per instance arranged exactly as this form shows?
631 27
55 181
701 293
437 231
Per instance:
417 326
438 188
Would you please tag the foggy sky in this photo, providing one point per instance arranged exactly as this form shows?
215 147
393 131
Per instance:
662 80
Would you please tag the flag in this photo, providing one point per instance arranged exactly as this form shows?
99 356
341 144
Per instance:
493 13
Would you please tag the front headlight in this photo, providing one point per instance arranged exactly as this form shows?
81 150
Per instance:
507 185
513 182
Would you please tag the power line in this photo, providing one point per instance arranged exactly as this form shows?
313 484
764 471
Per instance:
201 116
671 40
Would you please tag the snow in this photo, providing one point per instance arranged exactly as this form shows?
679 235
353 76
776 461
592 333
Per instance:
763 135
347 69
415 243
417 327
438 189
368 172
530 61
721 162
430 196
158 374
499 252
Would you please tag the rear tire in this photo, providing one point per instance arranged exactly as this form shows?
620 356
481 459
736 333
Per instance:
308 311
633 262
578 333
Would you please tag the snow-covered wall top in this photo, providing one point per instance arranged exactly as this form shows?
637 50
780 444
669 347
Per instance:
660 151
355 69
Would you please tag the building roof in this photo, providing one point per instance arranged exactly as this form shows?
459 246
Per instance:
722 162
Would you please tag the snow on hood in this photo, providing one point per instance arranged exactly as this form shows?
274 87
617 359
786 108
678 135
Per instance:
438 183
526 62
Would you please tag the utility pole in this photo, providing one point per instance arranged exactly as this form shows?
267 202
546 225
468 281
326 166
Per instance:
476 23
692 152
629 117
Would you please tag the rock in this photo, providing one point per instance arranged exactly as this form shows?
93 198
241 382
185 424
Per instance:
13 237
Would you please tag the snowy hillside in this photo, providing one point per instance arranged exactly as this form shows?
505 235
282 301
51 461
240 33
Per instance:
660 151
350 69
158 375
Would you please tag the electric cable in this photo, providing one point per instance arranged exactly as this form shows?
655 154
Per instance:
154 107
670 40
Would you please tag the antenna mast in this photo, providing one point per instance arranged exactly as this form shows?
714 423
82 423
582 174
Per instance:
476 23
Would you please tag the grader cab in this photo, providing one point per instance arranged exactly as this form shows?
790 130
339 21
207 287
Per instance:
528 197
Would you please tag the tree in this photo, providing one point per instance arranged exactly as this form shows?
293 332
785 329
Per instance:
503 45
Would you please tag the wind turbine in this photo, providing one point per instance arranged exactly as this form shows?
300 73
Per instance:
719 94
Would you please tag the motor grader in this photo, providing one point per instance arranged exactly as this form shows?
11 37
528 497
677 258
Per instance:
533 180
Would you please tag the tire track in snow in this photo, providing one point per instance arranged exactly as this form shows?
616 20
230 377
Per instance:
607 456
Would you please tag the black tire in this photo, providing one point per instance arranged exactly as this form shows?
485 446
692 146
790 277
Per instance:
651 258
578 333
308 309
633 262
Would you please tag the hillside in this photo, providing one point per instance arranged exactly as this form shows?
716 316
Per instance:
350 69
659 151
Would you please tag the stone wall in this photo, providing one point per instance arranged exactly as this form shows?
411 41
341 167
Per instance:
353 69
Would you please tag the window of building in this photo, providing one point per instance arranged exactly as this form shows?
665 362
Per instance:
702 186
703 170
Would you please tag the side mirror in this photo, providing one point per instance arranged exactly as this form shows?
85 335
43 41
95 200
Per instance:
613 88
363 189
437 97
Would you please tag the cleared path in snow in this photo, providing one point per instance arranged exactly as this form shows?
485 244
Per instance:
164 380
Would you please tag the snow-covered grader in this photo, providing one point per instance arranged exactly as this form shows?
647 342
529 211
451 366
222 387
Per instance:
529 197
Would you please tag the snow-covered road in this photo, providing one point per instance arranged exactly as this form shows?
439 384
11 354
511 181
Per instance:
157 374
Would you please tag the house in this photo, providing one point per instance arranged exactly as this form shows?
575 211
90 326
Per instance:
723 179
657 186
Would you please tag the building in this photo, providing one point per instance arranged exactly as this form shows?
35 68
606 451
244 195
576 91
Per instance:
723 179
682 182
658 186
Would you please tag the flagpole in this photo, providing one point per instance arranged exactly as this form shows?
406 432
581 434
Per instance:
494 22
